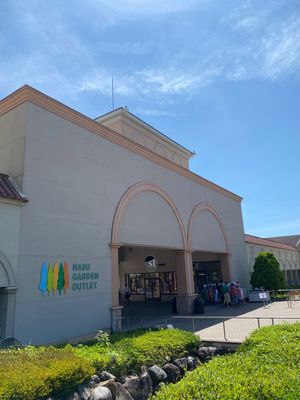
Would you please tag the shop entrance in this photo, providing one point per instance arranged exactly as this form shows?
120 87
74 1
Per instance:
206 273
149 273
152 288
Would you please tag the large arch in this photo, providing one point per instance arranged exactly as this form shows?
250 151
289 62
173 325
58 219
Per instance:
129 196
201 208
6 272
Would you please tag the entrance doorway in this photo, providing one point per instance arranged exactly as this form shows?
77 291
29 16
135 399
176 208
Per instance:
206 273
152 288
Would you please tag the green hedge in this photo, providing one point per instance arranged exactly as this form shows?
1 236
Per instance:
127 353
267 366
37 372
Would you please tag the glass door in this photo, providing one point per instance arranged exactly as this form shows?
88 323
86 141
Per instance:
152 288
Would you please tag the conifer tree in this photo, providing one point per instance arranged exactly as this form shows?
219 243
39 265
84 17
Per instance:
266 272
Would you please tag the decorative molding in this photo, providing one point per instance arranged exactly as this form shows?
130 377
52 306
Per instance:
196 211
130 194
11 201
27 93
8 270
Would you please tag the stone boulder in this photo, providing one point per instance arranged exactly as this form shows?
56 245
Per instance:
139 388
100 393
206 353
173 372
106 376
111 385
181 363
122 393
95 378
84 390
191 363
157 374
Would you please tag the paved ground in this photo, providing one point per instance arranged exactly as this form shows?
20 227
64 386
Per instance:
239 321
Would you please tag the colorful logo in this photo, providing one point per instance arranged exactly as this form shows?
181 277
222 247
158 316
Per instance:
54 278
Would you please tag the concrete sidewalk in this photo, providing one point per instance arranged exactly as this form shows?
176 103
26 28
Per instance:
239 321
248 319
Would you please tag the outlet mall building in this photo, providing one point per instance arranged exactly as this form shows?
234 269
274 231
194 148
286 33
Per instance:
88 206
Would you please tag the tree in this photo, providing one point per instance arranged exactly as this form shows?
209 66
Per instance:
266 272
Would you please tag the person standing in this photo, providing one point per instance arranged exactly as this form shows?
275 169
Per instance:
127 294
226 295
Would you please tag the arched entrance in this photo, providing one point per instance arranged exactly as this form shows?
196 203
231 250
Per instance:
147 223
7 297
209 244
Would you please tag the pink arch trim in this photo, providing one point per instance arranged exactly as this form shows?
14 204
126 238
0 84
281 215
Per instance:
132 192
197 210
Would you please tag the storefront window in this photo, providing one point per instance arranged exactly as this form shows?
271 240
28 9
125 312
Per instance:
136 283
168 282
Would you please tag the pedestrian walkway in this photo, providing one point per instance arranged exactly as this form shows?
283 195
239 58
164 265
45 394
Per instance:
245 319
217 323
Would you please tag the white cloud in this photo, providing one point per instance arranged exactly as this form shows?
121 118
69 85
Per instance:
162 82
281 50
100 81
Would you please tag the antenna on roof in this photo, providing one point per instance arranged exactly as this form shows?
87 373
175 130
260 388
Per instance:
112 93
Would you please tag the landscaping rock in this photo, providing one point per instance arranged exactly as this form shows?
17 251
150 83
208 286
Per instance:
106 376
205 353
173 372
157 374
181 364
122 393
190 363
84 390
146 383
100 393
197 361
95 378
111 385
139 388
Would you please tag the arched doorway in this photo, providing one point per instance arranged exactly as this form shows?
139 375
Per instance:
7 297
208 242
147 223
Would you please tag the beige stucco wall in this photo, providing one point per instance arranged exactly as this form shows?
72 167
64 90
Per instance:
74 180
12 142
288 259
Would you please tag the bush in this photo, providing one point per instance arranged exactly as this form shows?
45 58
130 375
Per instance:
37 372
128 352
266 272
267 366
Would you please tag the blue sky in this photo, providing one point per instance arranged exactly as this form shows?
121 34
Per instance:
221 77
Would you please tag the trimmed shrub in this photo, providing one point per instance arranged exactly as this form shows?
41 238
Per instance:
266 272
37 372
267 366
128 352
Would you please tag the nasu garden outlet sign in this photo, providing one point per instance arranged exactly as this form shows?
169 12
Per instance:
56 279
